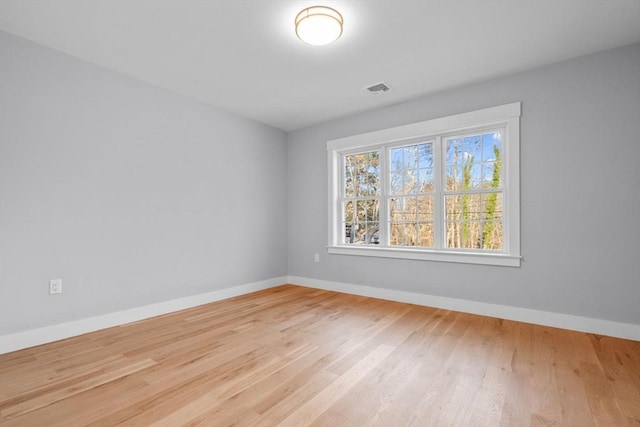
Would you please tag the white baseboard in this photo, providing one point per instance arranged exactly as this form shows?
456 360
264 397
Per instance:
557 320
33 337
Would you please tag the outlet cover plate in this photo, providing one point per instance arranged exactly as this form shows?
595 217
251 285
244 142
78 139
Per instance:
55 286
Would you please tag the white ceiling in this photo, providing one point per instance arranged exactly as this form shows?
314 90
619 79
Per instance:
243 55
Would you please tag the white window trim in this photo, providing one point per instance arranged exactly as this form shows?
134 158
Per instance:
507 116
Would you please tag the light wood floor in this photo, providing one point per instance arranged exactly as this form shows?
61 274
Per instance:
294 356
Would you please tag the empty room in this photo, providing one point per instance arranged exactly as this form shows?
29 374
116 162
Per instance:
336 213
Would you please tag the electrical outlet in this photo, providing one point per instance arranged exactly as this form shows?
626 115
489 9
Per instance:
55 286
316 257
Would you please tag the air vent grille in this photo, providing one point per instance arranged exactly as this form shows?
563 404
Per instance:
378 88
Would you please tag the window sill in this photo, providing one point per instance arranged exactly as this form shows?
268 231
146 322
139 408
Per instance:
429 255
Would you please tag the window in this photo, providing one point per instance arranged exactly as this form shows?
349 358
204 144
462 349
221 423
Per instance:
361 201
444 189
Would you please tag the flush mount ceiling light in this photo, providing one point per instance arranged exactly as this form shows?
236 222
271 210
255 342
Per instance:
319 25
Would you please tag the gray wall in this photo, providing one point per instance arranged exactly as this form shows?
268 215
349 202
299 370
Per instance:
580 189
129 193
135 195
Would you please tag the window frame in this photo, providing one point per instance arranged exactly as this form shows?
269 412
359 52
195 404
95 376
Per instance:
505 116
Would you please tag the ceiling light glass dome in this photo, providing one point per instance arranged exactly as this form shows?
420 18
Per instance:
319 25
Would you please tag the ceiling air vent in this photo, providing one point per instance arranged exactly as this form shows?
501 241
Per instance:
378 88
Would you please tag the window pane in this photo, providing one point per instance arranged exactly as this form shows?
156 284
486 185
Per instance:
492 206
410 208
396 235
411 169
426 234
373 173
490 143
348 212
474 234
362 233
471 234
453 209
451 152
472 146
472 160
425 181
395 209
454 178
349 221
465 177
403 234
425 208
396 182
466 207
362 174
403 209
361 221
363 186
373 233
464 234
491 175
361 211
373 158
410 234
425 155
395 159
464 219
460 151
367 210
349 180
492 235
410 157
411 182
372 210
359 233
471 205
472 176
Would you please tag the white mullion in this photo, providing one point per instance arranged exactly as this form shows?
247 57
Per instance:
335 162
438 194
342 200
365 199
383 224
507 178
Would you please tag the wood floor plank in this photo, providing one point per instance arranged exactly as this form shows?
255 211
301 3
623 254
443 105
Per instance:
546 403
204 403
12 409
298 356
378 390
312 409
430 384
